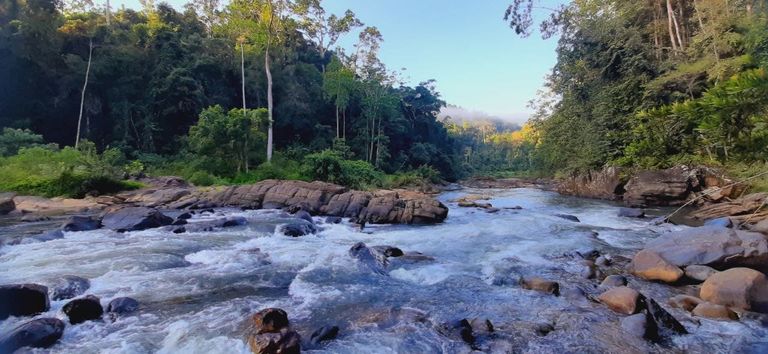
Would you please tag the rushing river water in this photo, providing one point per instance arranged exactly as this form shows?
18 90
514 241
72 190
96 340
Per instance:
196 289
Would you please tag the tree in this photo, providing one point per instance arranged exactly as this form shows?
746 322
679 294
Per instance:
338 84
324 30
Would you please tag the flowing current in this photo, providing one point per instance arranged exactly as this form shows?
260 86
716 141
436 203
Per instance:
197 289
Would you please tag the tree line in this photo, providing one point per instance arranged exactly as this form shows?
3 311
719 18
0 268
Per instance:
218 88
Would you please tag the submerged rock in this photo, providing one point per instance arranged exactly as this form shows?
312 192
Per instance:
640 325
134 219
323 334
297 229
83 309
568 217
741 288
38 333
302 214
388 251
649 265
122 305
23 300
631 213
81 223
621 299
69 286
369 258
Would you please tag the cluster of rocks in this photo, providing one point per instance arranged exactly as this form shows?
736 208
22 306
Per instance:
269 332
22 300
729 264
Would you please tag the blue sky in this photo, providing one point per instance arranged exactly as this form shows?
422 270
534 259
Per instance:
478 61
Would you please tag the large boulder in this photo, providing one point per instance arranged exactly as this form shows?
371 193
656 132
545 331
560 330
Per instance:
712 246
622 300
122 305
323 334
38 333
23 300
392 207
650 266
134 219
83 309
660 187
69 286
298 228
7 204
605 184
714 311
741 288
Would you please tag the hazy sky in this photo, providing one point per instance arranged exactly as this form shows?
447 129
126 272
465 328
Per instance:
478 61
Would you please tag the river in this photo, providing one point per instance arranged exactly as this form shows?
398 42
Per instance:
197 289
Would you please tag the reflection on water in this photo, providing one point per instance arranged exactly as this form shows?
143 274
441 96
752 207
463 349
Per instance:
196 289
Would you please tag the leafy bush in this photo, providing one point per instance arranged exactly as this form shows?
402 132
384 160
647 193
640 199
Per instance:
202 179
329 166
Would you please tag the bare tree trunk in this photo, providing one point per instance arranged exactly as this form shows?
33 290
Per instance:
108 14
82 94
242 72
656 41
269 104
344 124
671 14
378 143
677 27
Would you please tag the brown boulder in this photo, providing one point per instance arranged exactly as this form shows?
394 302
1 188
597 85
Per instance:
269 320
270 333
622 299
7 204
649 265
542 285
714 311
741 288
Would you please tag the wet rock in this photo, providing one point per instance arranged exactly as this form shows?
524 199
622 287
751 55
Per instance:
179 222
542 285
83 309
568 217
23 300
640 326
389 207
184 216
68 287
662 317
38 333
269 320
461 329
588 270
301 214
741 288
542 329
7 204
234 221
685 302
492 210
712 246
761 227
323 334
297 229
613 281
474 204
714 311
81 223
122 305
415 257
720 222
482 326
333 220
650 266
48 236
134 219
668 187
284 341
699 272
621 299
388 251
371 259
270 333
631 213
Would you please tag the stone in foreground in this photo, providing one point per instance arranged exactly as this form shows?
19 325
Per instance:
741 288
38 333
650 266
134 219
714 311
83 309
23 300
621 299
270 333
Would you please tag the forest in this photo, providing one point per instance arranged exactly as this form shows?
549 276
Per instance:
253 89
216 93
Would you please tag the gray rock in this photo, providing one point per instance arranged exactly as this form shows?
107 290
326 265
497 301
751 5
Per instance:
699 272
324 333
297 229
38 333
304 215
631 213
122 305
81 223
612 281
639 325
134 219
83 309
719 222
369 258
568 217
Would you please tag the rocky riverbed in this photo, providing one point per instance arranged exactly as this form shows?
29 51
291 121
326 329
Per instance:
511 270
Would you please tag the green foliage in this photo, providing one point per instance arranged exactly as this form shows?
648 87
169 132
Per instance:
329 166
12 140
67 172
